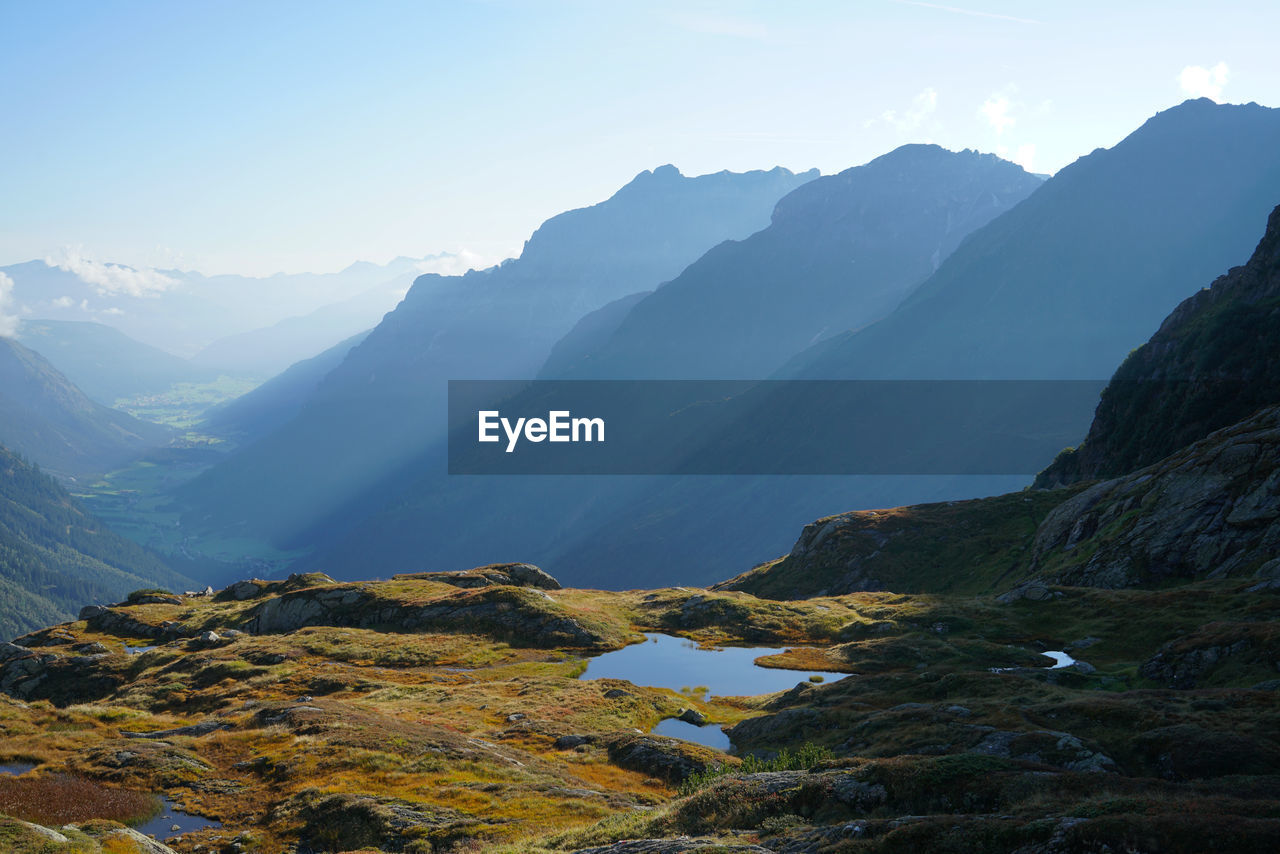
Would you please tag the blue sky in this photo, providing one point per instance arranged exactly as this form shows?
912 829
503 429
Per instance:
262 136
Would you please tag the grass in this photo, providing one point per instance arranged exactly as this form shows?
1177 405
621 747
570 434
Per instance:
58 799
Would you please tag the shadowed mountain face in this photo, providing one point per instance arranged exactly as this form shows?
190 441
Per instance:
840 252
385 403
55 557
1084 270
51 422
272 404
105 363
1213 362
1063 285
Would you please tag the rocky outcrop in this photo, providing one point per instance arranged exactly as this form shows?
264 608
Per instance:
345 822
674 845
1208 511
953 546
519 616
670 759
509 574
255 588
118 621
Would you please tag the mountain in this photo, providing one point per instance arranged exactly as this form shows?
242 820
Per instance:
47 419
272 349
1083 271
840 251
55 557
1063 285
270 405
1214 361
588 335
106 364
183 312
385 404
1188 435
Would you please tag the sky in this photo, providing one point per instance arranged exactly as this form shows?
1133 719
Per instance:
254 137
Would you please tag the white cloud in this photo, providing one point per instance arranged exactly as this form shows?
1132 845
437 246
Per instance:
8 317
996 111
922 107
113 278
1200 82
63 302
452 263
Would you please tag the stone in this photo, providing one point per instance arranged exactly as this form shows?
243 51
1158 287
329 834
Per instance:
692 716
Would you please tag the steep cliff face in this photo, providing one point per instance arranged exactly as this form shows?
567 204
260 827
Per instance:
1210 510
1214 361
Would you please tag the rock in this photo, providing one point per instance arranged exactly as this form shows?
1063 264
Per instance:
202 728
140 843
1083 667
511 574
518 616
1209 510
569 742
1032 591
958 711
95 648
674 845
1047 747
617 694
243 590
517 717
88 612
692 716
346 822
208 591
210 637
670 759
43 832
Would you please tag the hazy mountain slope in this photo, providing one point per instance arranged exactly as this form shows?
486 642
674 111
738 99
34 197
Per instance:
1083 271
105 363
1062 285
270 405
840 252
385 404
274 348
183 311
1193 501
47 419
588 335
55 557
1214 361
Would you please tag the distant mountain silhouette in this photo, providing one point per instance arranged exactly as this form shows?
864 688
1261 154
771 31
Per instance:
271 349
385 404
105 363
1083 271
840 252
182 311
1063 285
44 417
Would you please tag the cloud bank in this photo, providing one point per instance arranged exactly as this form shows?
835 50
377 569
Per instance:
8 317
1200 82
112 279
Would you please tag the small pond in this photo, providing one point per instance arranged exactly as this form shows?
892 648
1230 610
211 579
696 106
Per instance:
709 735
663 661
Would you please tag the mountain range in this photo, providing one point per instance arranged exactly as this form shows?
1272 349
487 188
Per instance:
1060 286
